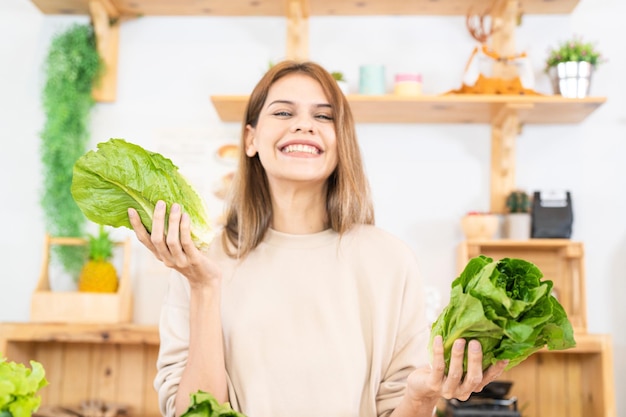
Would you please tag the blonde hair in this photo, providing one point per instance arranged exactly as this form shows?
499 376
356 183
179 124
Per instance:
249 206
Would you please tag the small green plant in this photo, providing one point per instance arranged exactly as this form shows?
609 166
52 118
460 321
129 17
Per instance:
338 76
518 202
573 50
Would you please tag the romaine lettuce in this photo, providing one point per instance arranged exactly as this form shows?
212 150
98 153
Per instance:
120 174
507 307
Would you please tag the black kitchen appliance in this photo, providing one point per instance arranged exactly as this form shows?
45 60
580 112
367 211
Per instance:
492 401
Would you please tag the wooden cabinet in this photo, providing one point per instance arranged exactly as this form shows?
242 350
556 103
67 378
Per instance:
576 382
109 362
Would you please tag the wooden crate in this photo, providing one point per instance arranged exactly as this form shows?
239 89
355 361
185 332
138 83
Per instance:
114 363
560 260
81 307
576 382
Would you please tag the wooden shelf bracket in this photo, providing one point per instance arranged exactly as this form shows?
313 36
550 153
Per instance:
297 30
504 130
106 22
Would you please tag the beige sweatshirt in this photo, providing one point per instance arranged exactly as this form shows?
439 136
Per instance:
314 325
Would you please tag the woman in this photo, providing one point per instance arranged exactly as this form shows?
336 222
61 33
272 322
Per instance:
303 307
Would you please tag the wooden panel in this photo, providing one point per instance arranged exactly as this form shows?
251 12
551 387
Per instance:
561 384
75 380
560 260
444 108
317 7
80 366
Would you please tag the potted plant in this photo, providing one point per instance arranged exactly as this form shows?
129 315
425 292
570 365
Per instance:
19 387
518 221
341 80
570 65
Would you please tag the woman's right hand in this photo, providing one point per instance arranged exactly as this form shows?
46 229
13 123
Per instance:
175 248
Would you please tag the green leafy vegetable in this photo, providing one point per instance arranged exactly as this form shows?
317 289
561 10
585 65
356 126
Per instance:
204 404
19 386
120 175
505 306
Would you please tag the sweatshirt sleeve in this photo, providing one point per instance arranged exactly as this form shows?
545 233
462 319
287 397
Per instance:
411 341
174 343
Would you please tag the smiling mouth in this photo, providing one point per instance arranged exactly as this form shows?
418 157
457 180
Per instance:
301 149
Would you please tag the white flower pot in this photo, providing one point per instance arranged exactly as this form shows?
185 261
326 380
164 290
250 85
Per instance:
572 79
517 226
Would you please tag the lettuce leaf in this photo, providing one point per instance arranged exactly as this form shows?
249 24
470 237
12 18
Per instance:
19 386
204 404
507 307
120 174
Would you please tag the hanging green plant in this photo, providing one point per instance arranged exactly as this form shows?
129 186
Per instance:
72 67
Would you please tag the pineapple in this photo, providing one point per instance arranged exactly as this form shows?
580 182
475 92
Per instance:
99 274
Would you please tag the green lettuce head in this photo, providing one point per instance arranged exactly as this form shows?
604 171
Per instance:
19 386
506 307
119 175
204 404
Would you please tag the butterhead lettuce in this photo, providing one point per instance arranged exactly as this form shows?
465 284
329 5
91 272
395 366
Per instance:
204 404
19 387
507 307
120 174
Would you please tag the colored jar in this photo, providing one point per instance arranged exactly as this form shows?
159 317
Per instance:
408 84
372 79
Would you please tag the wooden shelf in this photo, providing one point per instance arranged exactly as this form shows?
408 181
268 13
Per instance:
445 108
311 7
79 333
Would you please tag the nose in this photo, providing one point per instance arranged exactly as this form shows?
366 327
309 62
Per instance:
302 124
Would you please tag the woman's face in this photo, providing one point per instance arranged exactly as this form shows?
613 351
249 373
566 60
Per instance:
295 134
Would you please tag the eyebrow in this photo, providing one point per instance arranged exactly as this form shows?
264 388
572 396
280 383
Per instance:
326 105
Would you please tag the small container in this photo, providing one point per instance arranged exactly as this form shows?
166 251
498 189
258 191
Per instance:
407 84
372 79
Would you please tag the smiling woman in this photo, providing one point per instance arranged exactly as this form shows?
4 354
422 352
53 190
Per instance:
303 307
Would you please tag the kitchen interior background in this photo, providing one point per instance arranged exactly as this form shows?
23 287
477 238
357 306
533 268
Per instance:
424 177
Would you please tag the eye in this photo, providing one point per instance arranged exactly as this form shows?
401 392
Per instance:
282 113
325 117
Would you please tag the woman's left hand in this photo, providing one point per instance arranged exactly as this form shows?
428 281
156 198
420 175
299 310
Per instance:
429 384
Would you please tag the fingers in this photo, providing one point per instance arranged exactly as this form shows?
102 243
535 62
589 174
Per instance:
167 243
173 231
474 376
452 382
492 373
438 363
139 229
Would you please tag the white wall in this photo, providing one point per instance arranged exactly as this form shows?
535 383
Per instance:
424 177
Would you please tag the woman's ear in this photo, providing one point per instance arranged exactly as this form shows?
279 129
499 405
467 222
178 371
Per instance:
250 147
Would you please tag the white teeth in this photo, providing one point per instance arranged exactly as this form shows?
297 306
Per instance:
301 148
